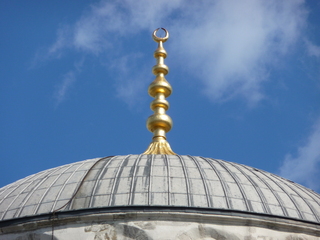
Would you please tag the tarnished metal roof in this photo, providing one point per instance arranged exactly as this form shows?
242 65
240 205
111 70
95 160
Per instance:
158 180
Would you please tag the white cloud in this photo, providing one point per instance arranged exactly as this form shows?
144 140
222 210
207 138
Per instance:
104 28
232 43
64 35
67 82
313 50
131 83
106 23
305 166
229 43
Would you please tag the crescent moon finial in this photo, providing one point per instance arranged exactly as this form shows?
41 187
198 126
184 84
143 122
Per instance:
159 39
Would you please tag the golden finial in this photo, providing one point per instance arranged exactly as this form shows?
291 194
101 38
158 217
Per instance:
159 123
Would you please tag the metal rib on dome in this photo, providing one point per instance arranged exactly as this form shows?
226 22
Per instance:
158 180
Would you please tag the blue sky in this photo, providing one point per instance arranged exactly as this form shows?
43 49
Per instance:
245 77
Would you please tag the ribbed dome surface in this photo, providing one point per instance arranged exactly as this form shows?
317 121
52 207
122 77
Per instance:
158 180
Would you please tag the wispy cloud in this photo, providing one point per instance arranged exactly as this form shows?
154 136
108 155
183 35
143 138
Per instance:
107 24
64 39
313 50
67 82
230 43
131 83
68 79
304 167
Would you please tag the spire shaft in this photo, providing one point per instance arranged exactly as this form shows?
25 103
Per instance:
159 123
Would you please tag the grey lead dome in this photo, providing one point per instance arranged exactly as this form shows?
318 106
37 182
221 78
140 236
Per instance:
158 180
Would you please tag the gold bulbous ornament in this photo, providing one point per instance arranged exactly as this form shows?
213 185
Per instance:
162 121
159 123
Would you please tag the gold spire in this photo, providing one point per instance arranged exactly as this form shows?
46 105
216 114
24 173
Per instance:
159 123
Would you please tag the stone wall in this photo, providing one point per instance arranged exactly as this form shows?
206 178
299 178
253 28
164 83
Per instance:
161 226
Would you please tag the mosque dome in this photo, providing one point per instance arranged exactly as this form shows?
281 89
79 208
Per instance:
158 194
159 181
